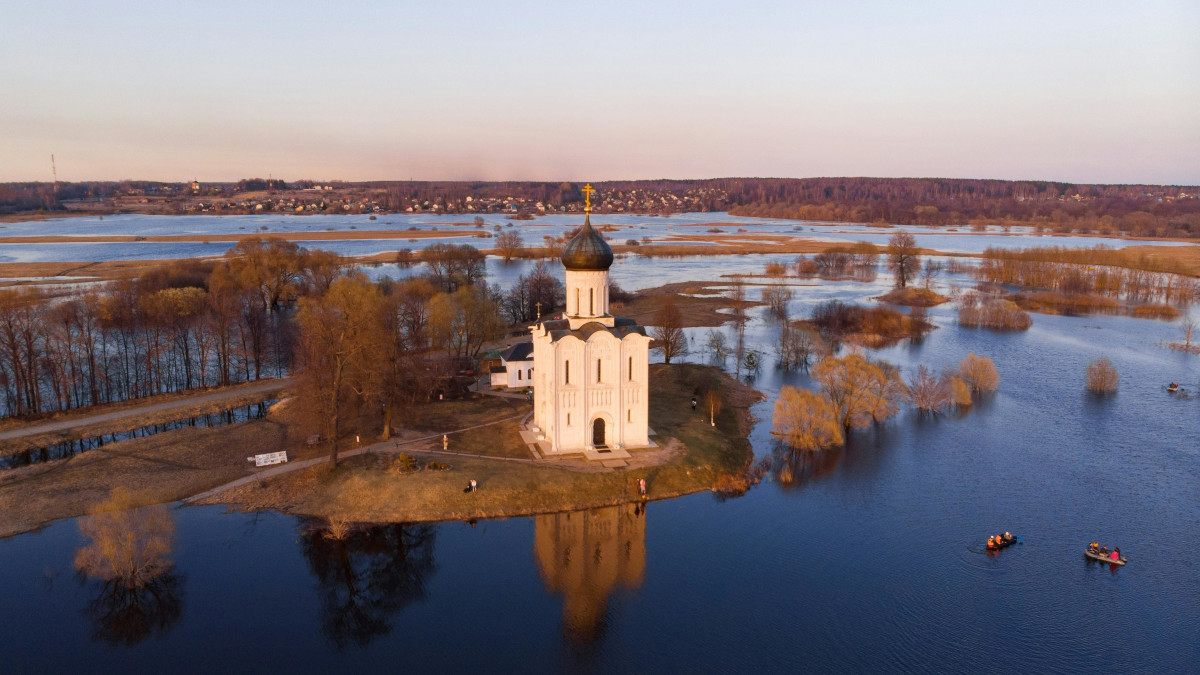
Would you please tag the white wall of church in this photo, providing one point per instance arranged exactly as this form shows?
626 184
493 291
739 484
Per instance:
587 293
579 381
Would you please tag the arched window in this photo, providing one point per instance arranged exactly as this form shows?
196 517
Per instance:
631 369
566 372
592 301
577 301
599 370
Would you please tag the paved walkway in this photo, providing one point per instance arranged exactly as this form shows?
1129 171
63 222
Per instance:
387 447
260 387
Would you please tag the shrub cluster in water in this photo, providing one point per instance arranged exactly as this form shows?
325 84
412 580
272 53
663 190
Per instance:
994 313
835 320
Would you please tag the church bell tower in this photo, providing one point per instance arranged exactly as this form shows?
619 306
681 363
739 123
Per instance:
587 258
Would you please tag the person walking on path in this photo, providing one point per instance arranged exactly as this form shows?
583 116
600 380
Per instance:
642 487
445 442
693 404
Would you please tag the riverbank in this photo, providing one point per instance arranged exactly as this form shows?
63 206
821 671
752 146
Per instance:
692 456
175 465
17 435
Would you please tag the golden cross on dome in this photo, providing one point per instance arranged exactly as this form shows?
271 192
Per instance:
588 191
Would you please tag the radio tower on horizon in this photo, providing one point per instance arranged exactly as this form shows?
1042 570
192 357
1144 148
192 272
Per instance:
54 172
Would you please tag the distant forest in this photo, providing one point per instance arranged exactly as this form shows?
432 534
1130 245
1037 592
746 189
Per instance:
1141 210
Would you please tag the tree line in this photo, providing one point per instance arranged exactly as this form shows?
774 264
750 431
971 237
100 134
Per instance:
189 324
196 324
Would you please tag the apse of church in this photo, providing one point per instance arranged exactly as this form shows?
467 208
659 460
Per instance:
585 556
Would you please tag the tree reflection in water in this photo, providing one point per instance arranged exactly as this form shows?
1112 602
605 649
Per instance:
124 615
585 555
126 558
793 467
366 574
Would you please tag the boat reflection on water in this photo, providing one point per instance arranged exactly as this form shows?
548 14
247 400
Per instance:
585 556
366 574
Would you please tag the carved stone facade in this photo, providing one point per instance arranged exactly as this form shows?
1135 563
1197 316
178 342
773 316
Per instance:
591 369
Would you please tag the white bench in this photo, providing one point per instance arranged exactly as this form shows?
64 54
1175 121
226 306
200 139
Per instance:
268 459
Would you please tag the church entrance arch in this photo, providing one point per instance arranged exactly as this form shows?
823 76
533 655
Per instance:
598 430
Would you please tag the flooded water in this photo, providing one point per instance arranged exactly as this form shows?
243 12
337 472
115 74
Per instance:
69 448
675 229
868 559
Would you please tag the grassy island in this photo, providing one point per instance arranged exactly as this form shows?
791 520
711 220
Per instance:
389 486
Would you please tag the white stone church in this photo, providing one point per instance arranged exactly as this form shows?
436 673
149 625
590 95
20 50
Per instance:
590 369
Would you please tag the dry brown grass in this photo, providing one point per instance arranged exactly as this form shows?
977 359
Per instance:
698 302
911 296
362 489
1184 258
1154 311
161 468
443 416
1050 302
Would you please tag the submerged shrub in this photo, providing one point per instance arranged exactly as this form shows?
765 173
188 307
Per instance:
979 373
1154 311
806 420
1102 376
994 313
960 392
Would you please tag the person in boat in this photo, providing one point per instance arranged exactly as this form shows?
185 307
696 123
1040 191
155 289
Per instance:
991 542
1103 550
1116 554
1008 536
1094 546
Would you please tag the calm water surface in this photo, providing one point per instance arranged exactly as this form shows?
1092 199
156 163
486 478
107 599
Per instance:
673 230
868 560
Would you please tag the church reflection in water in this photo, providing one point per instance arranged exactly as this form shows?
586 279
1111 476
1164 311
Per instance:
585 556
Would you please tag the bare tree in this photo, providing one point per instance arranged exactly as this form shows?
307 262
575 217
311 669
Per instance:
668 332
795 347
861 391
509 244
806 420
713 400
903 257
718 348
929 392
737 297
776 299
932 270
340 336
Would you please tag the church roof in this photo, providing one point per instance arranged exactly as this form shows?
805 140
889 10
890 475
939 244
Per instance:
561 328
521 351
587 250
